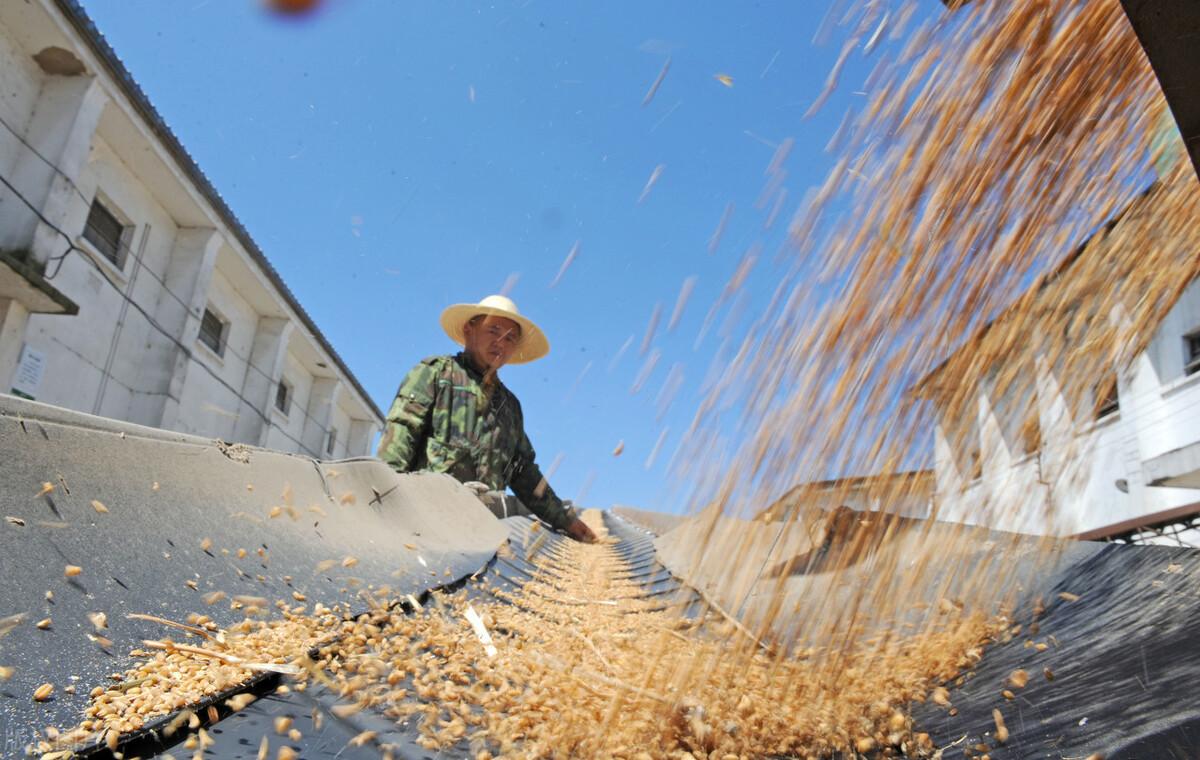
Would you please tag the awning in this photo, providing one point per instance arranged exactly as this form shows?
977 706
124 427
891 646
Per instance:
21 281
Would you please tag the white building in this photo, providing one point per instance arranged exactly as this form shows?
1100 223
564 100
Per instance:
1111 455
127 287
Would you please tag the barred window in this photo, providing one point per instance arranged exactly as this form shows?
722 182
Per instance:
332 442
213 332
283 396
106 232
1191 353
1107 401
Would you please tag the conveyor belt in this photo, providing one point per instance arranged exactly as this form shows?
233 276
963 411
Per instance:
1121 644
239 735
179 509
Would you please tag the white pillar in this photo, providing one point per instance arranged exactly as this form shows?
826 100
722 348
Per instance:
1059 457
359 439
13 319
188 275
268 354
61 130
321 400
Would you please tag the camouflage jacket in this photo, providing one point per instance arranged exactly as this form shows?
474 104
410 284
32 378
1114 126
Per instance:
445 420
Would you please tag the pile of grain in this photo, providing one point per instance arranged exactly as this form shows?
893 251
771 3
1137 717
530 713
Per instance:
584 666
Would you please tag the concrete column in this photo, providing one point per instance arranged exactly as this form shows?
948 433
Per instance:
61 130
321 400
360 438
13 319
188 275
268 354
1059 458
994 459
948 480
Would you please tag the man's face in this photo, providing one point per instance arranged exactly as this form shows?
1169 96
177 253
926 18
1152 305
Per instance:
491 341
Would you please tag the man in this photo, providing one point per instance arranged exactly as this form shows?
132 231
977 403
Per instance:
452 414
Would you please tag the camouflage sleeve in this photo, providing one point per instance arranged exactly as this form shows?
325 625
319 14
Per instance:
531 488
408 419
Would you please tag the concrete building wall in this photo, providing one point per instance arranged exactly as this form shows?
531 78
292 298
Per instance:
341 424
20 81
289 427
1087 473
80 134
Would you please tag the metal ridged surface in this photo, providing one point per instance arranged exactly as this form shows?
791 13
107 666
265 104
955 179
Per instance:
509 572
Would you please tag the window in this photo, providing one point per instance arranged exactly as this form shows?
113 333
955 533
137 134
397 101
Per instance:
1106 398
332 442
976 461
1031 434
1191 353
283 396
106 232
213 332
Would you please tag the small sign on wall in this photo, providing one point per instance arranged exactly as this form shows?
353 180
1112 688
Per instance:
28 377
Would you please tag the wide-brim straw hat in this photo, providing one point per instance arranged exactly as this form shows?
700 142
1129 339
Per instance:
533 343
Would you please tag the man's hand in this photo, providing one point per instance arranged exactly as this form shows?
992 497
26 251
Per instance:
479 488
579 531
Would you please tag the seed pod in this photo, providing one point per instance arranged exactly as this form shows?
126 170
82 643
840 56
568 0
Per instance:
362 738
940 696
239 702
1001 729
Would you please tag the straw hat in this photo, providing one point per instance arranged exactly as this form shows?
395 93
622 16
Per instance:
533 343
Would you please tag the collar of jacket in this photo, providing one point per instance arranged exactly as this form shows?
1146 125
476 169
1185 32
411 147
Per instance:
464 360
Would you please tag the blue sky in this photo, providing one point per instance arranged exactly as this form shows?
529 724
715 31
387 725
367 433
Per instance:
394 158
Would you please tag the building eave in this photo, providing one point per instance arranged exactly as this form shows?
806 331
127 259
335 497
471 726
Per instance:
925 386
